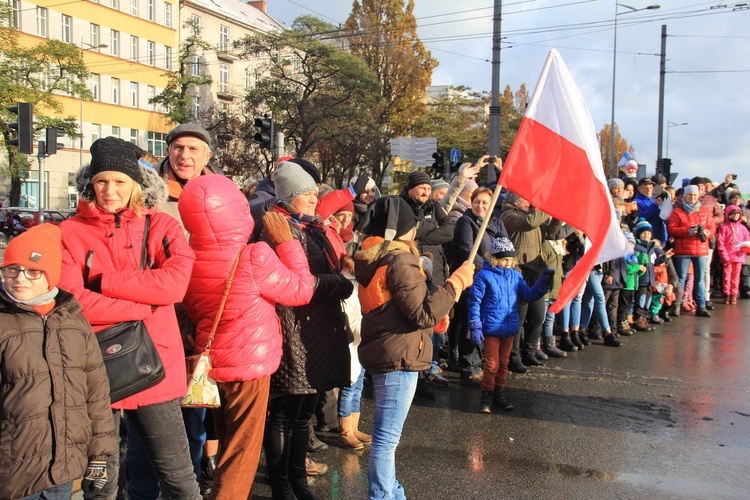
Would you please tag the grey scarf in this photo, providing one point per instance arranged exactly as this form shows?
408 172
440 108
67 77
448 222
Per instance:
690 208
40 300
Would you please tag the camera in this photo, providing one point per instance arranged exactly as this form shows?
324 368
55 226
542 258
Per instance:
701 234
734 177
492 160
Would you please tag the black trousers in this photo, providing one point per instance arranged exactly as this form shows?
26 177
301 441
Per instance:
531 318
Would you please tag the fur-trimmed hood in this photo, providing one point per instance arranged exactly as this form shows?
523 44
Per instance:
154 188
373 250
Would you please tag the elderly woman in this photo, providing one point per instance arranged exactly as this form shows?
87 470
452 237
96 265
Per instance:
315 355
692 226
101 265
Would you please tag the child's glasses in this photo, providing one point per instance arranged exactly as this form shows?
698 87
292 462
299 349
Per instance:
13 272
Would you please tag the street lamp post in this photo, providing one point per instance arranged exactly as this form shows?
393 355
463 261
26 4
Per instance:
614 78
671 124
85 46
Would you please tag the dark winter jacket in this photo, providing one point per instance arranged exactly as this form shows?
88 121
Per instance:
54 397
649 255
527 230
434 229
398 310
465 234
553 259
262 198
494 298
315 351
617 269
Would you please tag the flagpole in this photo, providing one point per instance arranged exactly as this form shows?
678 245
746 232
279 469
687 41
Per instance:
485 222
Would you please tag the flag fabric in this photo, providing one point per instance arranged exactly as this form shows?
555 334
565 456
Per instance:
556 165
627 156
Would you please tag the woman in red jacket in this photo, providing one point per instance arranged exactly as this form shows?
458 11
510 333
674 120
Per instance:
246 348
692 225
103 242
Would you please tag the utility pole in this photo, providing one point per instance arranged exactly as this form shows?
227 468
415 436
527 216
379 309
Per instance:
662 73
494 141
41 155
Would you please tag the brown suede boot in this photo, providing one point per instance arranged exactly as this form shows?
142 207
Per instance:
346 434
364 438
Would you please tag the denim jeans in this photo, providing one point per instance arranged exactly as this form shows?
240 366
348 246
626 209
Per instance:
349 397
593 302
394 392
164 438
570 316
59 492
142 482
549 321
682 264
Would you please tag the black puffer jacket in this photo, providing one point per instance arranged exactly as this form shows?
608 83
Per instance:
316 346
54 397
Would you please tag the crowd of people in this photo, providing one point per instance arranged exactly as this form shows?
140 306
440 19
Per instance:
327 288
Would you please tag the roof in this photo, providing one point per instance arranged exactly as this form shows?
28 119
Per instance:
239 12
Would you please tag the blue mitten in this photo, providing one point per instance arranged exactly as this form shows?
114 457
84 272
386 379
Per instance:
475 331
548 275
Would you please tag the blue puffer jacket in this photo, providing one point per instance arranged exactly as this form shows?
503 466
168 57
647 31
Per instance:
494 297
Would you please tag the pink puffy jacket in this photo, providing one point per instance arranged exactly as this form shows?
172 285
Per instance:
247 344
729 235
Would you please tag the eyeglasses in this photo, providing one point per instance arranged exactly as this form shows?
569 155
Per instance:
13 272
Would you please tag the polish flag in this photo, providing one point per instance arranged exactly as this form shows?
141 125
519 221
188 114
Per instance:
556 165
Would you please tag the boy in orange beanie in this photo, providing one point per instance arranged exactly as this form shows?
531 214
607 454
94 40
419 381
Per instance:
53 385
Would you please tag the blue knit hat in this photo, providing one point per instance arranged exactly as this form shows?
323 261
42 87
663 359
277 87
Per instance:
502 248
642 225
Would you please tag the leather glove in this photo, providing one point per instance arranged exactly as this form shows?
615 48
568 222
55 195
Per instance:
95 476
277 228
547 277
475 332
360 186
463 277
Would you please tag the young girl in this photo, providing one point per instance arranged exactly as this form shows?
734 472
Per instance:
730 235
54 391
493 315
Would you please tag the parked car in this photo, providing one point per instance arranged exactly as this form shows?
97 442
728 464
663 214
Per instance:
18 219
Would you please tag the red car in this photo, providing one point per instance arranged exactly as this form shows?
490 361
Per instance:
19 219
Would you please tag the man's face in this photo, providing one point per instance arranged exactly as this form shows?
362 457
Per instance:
646 189
701 189
523 204
188 156
420 193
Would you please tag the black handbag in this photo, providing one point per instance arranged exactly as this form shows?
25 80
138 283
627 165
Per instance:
130 356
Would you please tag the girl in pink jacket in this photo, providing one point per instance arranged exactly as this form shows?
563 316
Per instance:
247 346
729 236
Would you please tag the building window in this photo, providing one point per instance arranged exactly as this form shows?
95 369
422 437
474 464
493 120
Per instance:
247 79
196 106
114 43
115 4
150 10
134 48
115 132
150 94
41 22
168 15
157 144
134 94
96 131
134 7
224 38
134 135
16 19
94 36
197 26
223 77
168 58
67 25
195 65
115 91
95 82
151 53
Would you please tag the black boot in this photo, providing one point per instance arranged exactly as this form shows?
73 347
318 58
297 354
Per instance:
701 311
566 344
611 341
516 366
531 360
498 399
302 490
485 403
576 341
594 332
551 349
582 338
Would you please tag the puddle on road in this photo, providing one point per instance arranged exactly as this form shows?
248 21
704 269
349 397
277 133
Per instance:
678 485
718 335
568 470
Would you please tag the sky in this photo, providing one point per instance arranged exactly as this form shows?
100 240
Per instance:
707 69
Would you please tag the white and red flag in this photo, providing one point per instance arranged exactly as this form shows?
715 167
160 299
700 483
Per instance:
556 165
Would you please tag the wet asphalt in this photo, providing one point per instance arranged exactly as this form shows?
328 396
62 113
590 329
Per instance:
667 415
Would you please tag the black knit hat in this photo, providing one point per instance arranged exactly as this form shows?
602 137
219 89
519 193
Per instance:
111 154
417 178
389 217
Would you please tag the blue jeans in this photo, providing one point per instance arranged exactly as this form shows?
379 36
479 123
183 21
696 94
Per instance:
394 392
570 316
59 492
593 302
682 264
349 397
549 321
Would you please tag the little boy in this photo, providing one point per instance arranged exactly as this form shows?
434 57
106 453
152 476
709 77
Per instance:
54 391
493 315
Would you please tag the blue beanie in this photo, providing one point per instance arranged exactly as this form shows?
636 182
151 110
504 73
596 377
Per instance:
642 225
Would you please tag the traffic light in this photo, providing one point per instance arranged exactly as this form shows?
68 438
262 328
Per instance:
24 140
439 164
265 135
51 145
664 167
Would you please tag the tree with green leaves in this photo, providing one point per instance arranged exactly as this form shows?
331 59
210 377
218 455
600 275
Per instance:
384 34
36 74
177 96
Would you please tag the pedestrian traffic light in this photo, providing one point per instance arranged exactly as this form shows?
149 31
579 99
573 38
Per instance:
265 134
24 126
51 145
439 164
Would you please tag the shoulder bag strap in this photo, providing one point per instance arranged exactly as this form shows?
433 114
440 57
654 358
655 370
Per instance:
227 287
144 248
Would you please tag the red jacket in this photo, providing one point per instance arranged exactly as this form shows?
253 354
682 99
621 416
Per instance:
680 223
127 293
248 341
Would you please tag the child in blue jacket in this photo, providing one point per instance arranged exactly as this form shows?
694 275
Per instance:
493 315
